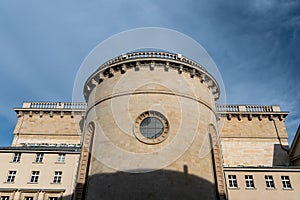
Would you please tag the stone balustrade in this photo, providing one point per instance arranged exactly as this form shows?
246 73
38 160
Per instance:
227 108
250 111
247 108
55 105
152 54
52 108
219 107
144 59
229 111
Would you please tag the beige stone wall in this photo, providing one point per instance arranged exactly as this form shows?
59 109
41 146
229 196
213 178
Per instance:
45 129
187 104
253 142
260 191
254 128
22 185
152 80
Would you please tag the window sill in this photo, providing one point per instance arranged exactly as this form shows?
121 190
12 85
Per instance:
233 188
8 182
32 183
60 163
14 162
270 188
55 183
250 188
288 189
37 163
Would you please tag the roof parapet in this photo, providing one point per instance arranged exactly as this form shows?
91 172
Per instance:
250 111
247 108
55 105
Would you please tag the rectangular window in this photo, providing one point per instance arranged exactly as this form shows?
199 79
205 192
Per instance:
11 176
53 198
39 157
57 177
286 183
232 181
4 198
249 181
34 177
28 198
269 182
17 157
61 158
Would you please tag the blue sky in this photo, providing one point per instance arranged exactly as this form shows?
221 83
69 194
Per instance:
255 45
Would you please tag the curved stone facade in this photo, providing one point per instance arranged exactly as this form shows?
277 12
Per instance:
119 94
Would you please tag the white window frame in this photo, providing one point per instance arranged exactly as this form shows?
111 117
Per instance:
11 176
61 158
57 177
4 198
249 181
34 176
28 198
269 182
232 181
17 157
39 157
53 198
286 182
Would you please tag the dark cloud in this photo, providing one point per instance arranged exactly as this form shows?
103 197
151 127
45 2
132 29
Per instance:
255 44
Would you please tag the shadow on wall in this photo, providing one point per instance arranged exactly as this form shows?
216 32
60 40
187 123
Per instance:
280 156
161 184
81 124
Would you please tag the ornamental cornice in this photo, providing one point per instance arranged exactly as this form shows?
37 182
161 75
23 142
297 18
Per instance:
51 108
250 112
228 111
151 60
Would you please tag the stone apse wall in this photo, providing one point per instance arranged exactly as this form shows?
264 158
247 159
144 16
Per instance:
151 129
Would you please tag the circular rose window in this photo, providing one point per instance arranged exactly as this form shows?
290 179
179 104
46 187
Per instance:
151 127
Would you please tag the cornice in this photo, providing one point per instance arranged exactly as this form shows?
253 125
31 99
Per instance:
239 115
250 112
51 109
262 168
48 112
151 60
223 111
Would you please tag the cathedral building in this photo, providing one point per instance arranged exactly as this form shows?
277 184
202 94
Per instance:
151 128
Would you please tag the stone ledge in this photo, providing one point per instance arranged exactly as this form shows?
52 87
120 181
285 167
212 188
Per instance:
108 70
48 112
250 115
